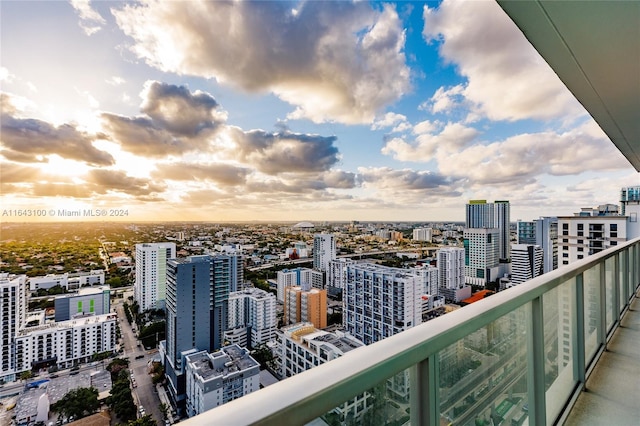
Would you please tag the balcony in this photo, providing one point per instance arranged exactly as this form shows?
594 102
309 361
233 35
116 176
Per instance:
524 355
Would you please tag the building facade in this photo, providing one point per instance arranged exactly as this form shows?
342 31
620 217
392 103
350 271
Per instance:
88 301
324 251
526 232
252 318
380 301
303 277
451 268
547 239
481 255
13 308
496 215
149 289
302 346
582 236
526 262
65 343
213 379
423 234
308 305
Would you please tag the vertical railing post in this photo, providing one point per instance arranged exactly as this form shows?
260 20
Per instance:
424 392
579 363
535 365
616 291
623 267
602 306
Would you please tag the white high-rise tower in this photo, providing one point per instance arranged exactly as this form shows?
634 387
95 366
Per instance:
151 274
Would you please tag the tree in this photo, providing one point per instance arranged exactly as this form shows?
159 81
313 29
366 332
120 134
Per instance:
264 356
26 375
164 410
78 403
142 421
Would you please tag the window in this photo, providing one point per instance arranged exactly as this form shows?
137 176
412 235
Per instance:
580 241
580 256
565 232
580 249
613 227
565 226
565 254
580 226
565 240
580 234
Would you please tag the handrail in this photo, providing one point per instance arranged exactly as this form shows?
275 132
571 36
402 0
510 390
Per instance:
306 396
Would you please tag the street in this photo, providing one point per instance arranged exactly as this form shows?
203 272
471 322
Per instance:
145 393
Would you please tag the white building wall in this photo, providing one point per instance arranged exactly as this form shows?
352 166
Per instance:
481 255
451 267
581 236
380 301
324 251
526 262
151 273
422 234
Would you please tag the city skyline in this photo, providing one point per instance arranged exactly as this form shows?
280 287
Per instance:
288 111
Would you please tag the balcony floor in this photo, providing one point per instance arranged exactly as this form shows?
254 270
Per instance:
613 389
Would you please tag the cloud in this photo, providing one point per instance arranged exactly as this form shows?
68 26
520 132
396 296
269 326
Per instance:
90 20
284 152
30 140
507 78
18 173
103 181
334 61
225 174
175 121
405 180
524 158
453 137
115 81
390 119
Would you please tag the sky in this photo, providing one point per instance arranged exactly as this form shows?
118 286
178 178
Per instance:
287 111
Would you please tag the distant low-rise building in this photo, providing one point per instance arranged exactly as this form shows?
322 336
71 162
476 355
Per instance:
88 301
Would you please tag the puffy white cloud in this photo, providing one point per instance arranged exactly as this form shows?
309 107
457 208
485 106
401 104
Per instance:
90 20
524 158
507 78
390 119
453 137
334 61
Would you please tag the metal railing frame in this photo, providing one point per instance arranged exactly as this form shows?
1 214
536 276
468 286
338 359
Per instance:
306 396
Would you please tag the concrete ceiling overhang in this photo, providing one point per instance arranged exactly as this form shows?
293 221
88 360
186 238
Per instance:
594 47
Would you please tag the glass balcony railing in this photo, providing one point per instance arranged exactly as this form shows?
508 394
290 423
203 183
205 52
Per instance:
521 356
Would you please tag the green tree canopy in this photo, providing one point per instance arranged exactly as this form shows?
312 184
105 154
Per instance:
78 403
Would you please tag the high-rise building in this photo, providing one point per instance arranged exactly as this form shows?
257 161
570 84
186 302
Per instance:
303 277
547 239
526 232
302 305
149 289
481 255
451 267
480 214
380 301
13 308
428 275
252 317
422 234
336 276
324 251
197 312
582 236
526 262
213 379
